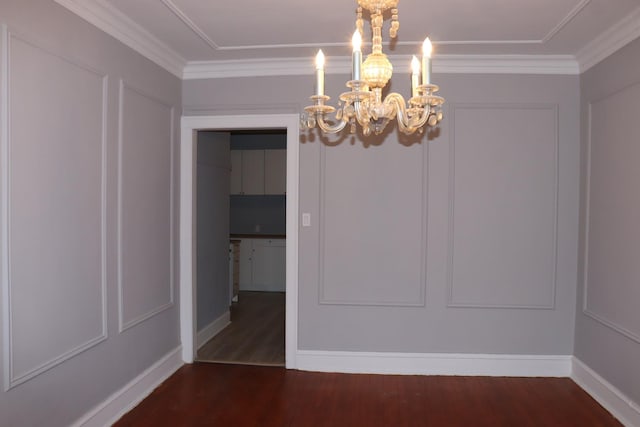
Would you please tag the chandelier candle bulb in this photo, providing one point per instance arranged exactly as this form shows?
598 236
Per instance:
320 73
426 61
415 74
356 41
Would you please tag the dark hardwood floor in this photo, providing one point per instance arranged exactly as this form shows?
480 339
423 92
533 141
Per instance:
255 335
206 394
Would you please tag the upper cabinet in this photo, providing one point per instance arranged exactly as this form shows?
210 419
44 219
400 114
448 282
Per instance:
275 171
258 172
253 172
236 172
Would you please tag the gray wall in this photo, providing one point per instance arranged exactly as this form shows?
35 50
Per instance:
608 320
465 241
212 226
88 173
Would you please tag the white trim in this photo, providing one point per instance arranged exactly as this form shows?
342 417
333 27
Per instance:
189 23
4 204
255 67
189 126
613 400
435 363
292 211
188 320
213 329
609 42
125 399
452 64
187 243
564 21
121 27
506 64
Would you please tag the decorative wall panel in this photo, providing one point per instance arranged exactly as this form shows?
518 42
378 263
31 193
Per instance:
613 208
373 252
54 208
145 268
503 206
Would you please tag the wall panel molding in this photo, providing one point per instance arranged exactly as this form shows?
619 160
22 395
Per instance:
78 344
4 205
601 318
452 302
127 323
420 301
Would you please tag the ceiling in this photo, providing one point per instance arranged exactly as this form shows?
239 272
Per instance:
199 33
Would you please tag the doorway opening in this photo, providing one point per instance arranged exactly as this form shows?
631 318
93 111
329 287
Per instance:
188 222
241 246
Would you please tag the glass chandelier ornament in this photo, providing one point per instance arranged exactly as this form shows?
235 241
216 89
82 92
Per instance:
364 104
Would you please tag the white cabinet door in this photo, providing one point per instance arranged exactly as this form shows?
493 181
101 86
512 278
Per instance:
253 172
246 253
275 171
236 172
269 265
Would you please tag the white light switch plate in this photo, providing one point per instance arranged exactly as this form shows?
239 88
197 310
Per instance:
306 220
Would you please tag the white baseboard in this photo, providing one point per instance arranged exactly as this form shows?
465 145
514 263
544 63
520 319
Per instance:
612 399
434 363
213 329
125 399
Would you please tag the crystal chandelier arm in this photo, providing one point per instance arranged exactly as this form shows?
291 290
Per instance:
361 113
326 127
405 124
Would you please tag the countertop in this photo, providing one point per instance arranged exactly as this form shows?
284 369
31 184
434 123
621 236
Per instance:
257 236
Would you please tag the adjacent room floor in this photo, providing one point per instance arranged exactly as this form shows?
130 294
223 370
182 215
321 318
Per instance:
255 335
207 394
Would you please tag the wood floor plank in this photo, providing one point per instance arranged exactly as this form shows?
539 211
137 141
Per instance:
205 394
256 334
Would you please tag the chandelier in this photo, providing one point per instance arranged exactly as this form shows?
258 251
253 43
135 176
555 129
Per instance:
364 104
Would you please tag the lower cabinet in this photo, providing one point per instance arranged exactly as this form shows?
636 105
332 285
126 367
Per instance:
263 265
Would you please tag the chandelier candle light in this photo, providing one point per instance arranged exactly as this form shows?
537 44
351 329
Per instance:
363 104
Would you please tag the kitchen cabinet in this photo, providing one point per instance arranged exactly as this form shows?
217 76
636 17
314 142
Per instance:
258 172
234 269
253 172
236 172
268 265
263 265
246 275
275 171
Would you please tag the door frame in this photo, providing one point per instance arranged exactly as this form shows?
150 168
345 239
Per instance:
190 125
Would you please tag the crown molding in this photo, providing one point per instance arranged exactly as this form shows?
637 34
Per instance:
449 64
616 37
110 20
195 70
505 64
565 21
118 25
